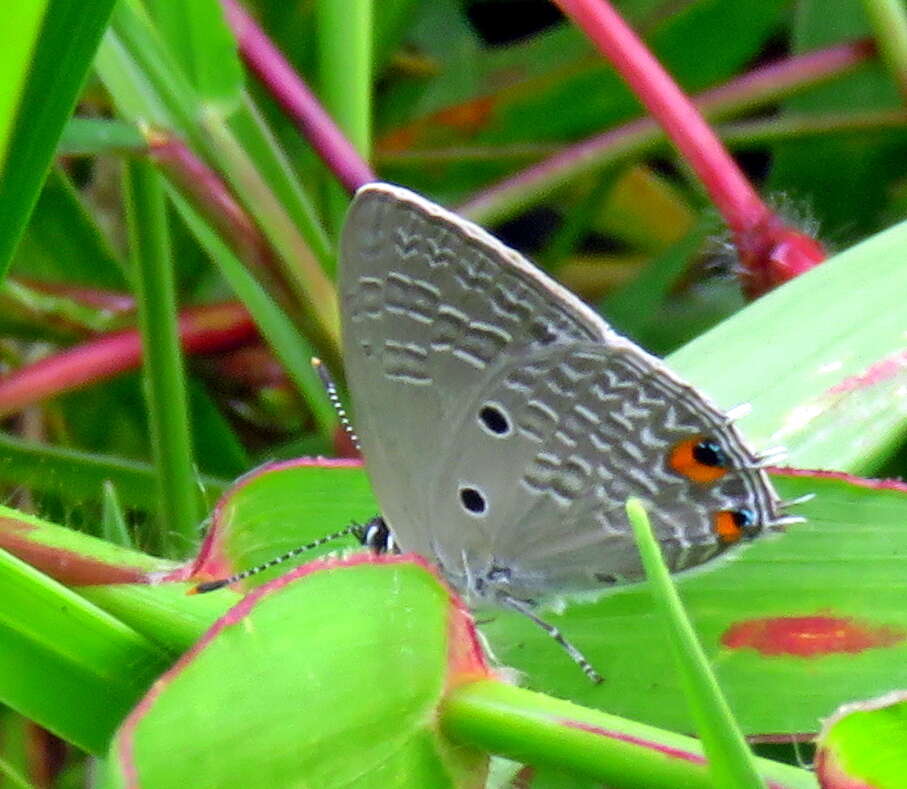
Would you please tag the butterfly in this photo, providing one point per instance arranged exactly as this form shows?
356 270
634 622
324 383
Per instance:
504 424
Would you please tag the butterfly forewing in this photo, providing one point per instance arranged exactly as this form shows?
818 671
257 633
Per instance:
429 312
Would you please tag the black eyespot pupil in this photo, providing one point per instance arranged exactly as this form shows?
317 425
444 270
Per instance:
743 519
494 420
472 500
708 452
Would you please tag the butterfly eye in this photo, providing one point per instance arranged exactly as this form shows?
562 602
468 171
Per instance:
699 459
473 500
494 420
731 525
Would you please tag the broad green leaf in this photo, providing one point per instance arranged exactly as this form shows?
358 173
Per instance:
864 745
793 624
819 579
817 359
289 677
249 525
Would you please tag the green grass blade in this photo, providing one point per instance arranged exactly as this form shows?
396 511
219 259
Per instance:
113 520
64 663
60 59
13 775
77 477
196 33
164 374
345 76
289 345
93 136
63 242
730 760
18 38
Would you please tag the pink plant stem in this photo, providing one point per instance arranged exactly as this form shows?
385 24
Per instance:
208 329
288 88
748 91
732 194
207 191
112 301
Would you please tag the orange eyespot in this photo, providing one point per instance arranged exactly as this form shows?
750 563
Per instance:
731 525
699 459
726 527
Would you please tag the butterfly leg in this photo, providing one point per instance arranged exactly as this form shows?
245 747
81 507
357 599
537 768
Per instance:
526 610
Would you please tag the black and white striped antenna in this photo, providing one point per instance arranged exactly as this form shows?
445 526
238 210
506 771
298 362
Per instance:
330 387
375 534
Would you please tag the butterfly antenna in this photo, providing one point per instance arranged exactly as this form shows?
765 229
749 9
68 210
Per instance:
355 529
327 381
578 657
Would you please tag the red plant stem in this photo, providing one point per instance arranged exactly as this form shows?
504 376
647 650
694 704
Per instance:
748 91
303 108
729 189
208 329
207 191
113 301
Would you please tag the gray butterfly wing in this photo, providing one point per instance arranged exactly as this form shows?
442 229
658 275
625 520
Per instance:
503 422
554 445
432 306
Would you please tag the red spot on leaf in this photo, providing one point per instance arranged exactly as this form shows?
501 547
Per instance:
877 373
809 636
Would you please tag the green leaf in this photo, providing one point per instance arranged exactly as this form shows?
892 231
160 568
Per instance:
198 36
863 745
793 624
289 711
21 31
92 136
817 359
249 526
66 663
731 764
63 243
60 59
164 373
552 734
